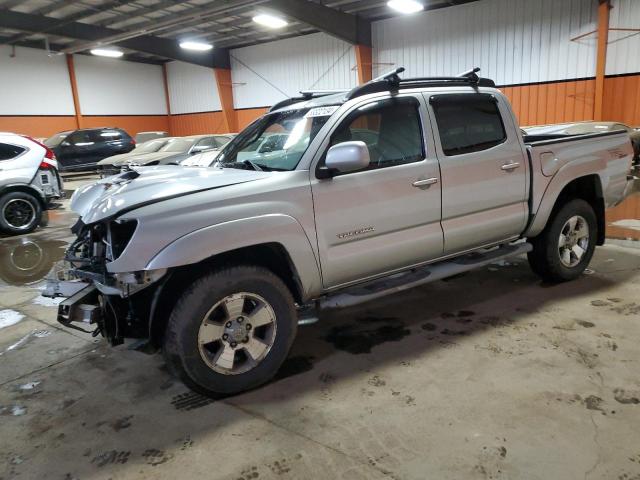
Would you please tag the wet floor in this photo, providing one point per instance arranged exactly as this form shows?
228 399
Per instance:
490 375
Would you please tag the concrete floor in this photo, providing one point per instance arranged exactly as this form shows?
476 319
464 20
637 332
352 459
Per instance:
491 375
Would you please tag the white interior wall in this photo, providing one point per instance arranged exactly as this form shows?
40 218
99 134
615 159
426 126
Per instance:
623 54
267 73
512 41
116 87
32 83
192 88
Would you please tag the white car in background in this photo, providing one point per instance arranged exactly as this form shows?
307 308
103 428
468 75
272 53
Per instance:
202 159
29 180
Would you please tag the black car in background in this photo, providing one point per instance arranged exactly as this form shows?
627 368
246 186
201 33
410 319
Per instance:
82 149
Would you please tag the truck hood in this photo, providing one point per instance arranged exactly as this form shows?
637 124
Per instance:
110 196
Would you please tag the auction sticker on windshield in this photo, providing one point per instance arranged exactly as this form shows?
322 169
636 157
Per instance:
321 111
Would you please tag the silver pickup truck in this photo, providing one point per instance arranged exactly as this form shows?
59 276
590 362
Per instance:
393 184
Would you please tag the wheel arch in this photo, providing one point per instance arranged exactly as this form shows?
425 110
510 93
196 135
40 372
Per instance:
271 255
25 188
587 187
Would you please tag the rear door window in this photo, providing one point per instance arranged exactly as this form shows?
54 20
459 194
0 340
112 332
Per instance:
8 151
468 123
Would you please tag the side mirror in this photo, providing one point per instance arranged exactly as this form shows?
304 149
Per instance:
346 157
65 144
200 148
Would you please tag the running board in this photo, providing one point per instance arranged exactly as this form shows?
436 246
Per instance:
430 273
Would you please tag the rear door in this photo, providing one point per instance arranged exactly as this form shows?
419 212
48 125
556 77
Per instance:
387 216
484 175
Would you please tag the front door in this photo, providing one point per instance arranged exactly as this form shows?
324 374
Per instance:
484 175
386 216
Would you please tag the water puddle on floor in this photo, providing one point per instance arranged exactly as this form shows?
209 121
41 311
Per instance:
25 261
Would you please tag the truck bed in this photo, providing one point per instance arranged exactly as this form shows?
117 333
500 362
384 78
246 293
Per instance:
555 160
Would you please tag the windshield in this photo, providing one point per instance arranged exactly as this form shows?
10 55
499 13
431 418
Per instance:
150 146
56 140
178 145
276 141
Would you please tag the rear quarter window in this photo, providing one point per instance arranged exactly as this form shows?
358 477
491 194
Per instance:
8 151
468 123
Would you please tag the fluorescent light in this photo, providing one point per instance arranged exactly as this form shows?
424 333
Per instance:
270 21
405 6
106 52
198 46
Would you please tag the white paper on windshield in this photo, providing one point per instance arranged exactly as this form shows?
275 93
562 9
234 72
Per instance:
321 111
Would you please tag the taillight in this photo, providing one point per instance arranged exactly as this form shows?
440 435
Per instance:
132 142
46 166
48 152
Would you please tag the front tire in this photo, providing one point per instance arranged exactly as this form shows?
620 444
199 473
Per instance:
565 247
231 330
20 213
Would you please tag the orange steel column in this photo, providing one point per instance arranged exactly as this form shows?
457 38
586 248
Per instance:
74 90
601 61
225 92
166 96
364 61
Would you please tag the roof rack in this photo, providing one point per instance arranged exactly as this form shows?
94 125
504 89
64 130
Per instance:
305 95
391 81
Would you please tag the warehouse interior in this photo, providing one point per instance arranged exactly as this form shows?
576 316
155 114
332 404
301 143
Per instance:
489 373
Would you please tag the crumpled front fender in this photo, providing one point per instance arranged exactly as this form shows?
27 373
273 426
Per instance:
223 237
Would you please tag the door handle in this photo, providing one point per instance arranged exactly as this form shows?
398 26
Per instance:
425 183
510 166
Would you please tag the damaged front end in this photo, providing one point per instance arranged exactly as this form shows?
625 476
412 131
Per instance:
115 305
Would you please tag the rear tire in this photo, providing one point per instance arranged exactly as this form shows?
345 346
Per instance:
20 213
565 247
210 342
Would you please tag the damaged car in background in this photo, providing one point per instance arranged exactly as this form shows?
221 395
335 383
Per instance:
361 195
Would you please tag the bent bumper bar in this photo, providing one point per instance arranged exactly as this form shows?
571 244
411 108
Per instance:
81 307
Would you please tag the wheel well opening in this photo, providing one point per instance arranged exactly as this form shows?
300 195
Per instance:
271 256
587 188
24 189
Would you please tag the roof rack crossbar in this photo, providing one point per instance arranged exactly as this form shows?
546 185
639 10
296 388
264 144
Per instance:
390 81
306 95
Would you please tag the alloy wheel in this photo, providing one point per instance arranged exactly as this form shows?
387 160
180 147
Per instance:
237 333
574 241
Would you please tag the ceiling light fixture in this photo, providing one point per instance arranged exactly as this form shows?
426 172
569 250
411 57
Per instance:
106 52
406 6
197 46
270 21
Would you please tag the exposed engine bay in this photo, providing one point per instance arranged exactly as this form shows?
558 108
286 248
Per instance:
98 301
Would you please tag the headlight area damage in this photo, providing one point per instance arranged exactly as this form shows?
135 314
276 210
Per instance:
115 305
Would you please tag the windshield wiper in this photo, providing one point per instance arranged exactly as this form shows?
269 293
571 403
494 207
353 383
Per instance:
259 167
253 165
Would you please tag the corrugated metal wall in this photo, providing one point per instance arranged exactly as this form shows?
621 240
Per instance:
267 73
117 87
31 83
623 54
192 88
513 41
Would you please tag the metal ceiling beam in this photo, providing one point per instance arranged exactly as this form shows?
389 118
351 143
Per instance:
162 47
350 28
70 18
